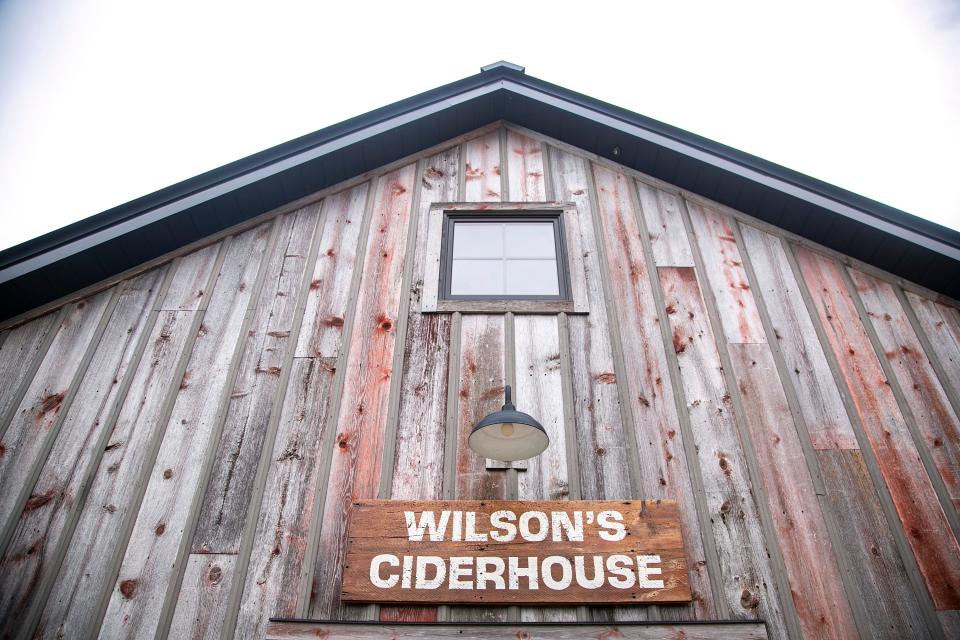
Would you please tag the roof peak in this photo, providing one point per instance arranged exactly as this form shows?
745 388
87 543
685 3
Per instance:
502 64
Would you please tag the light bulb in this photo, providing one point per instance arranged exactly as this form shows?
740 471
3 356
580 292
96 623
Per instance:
506 429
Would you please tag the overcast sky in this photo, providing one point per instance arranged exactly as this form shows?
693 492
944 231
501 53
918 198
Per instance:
104 101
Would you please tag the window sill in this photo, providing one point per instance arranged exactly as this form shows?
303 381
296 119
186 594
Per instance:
504 306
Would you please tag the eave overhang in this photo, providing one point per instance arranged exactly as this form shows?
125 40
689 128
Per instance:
96 248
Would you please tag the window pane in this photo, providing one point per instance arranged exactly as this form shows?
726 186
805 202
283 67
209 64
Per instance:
532 278
477 240
476 277
530 240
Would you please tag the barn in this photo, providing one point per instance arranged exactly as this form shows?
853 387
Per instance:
217 396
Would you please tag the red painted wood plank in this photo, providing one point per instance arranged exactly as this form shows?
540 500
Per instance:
482 168
924 394
355 469
925 524
663 464
801 530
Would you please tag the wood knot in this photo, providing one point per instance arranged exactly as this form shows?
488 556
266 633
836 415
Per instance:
215 575
160 529
749 600
167 474
128 588
51 402
725 465
725 506
601 451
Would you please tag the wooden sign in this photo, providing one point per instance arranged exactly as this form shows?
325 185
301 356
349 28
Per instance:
508 552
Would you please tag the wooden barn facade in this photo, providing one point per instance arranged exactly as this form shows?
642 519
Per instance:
199 386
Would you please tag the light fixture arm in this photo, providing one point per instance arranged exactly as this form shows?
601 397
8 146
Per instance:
508 399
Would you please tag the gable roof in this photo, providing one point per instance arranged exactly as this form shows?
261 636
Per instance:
58 263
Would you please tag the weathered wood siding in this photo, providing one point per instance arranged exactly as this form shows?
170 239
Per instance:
180 451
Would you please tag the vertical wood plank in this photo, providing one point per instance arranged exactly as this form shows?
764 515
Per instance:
187 290
43 524
525 172
935 418
355 469
943 332
820 402
748 581
726 275
482 377
601 446
20 353
668 239
322 331
283 524
801 530
892 607
37 418
663 471
481 157
151 554
74 598
202 603
228 490
924 522
418 466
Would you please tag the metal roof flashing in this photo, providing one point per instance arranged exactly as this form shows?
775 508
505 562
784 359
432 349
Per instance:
78 255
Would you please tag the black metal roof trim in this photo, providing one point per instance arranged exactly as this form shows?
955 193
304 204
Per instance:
57 263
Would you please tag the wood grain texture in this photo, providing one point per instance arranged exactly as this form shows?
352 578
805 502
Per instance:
800 527
421 422
649 527
202 604
525 172
892 607
926 398
668 239
43 525
820 403
151 554
322 331
37 419
939 323
251 403
283 524
744 559
601 446
924 522
663 471
355 468
481 381
725 274
665 631
83 575
481 168
191 274
19 353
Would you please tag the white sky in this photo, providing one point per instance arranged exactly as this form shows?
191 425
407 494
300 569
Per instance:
104 101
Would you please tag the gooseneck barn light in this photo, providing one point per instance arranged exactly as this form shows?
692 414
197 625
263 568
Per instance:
508 434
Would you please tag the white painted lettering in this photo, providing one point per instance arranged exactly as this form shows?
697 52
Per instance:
485 575
612 520
597 580
389 581
566 572
471 533
503 520
644 571
515 573
542 530
440 572
560 521
427 523
626 577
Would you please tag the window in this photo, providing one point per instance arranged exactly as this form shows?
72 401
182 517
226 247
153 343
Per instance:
516 257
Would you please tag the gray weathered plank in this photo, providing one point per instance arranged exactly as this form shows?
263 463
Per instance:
820 402
668 239
663 471
892 607
19 354
355 468
77 589
224 507
938 322
726 275
202 604
43 525
151 554
481 168
666 631
37 418
926 398
747 582
283 524
186 291
525 173
322 331
821 603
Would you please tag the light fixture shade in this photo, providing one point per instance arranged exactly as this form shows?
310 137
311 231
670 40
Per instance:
508 434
